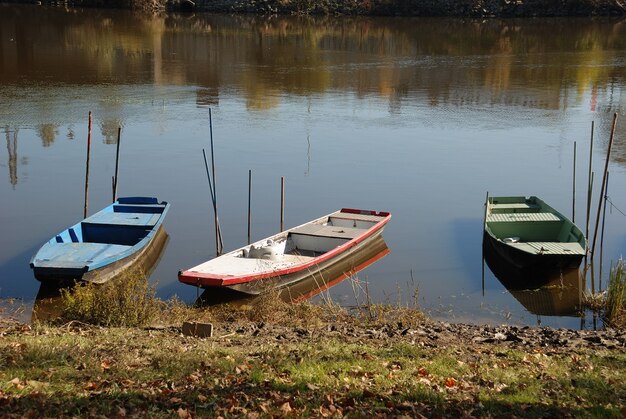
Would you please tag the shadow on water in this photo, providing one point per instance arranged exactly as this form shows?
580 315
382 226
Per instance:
48 301
313 285
555 292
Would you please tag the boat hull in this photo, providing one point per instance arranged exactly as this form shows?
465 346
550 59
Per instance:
530 234
281 281
101 275
291 256
103 245
528 261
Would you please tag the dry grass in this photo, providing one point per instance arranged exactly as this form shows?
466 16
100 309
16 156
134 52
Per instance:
615 310
128 300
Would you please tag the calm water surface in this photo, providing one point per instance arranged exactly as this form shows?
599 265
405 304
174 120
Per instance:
419 117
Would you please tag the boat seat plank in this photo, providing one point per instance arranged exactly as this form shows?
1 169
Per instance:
549 247
522 216
72 254
155 209
321 230
351 216
516 205
123 218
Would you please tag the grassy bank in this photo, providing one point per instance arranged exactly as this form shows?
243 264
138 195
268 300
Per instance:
263 369
270 358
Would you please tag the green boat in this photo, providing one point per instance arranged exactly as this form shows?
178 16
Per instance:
529 233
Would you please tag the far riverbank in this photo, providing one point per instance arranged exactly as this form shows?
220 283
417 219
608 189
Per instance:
458 8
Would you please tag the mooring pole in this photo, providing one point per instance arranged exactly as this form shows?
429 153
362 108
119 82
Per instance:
87 168
249 203
602 188
117 162
215 218
574 186
218 231
590 184
282 203
606 197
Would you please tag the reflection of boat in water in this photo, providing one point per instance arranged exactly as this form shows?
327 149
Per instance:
530 233
47 303
291 256
102 245
319 281
555 292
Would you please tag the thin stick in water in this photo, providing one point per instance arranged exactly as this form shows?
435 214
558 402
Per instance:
249 203
282 203
87 168
218 231
602 188
117 161
606 196
574 186
590 180
218 247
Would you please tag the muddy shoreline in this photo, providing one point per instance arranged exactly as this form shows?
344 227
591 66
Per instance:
429 333
431 8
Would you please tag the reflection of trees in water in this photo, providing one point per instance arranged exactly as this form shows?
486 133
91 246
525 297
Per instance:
109 128
12 154
47 133
537 64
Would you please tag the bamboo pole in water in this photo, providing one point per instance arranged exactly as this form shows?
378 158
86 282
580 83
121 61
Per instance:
483 232
574 186
218 231
602 188
589 194
218 242
87 168
117 162
249 203
606 196
590 182
282 203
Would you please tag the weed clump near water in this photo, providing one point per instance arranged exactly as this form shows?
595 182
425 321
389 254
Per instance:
126 301
615 311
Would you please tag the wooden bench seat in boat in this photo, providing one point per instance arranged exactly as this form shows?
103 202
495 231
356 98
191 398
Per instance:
150 209
125 228
522 216
514 206
331 231
549 247
70 255
123 218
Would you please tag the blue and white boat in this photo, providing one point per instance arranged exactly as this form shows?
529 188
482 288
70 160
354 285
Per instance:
102 245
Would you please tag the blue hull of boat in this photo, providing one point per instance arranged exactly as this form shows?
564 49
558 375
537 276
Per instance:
102 245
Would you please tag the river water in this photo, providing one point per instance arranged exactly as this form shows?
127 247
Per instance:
419 117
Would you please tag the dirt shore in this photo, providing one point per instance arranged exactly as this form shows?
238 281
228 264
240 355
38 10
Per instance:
325 369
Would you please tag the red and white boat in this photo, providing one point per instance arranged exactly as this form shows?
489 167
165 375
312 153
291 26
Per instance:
292 255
